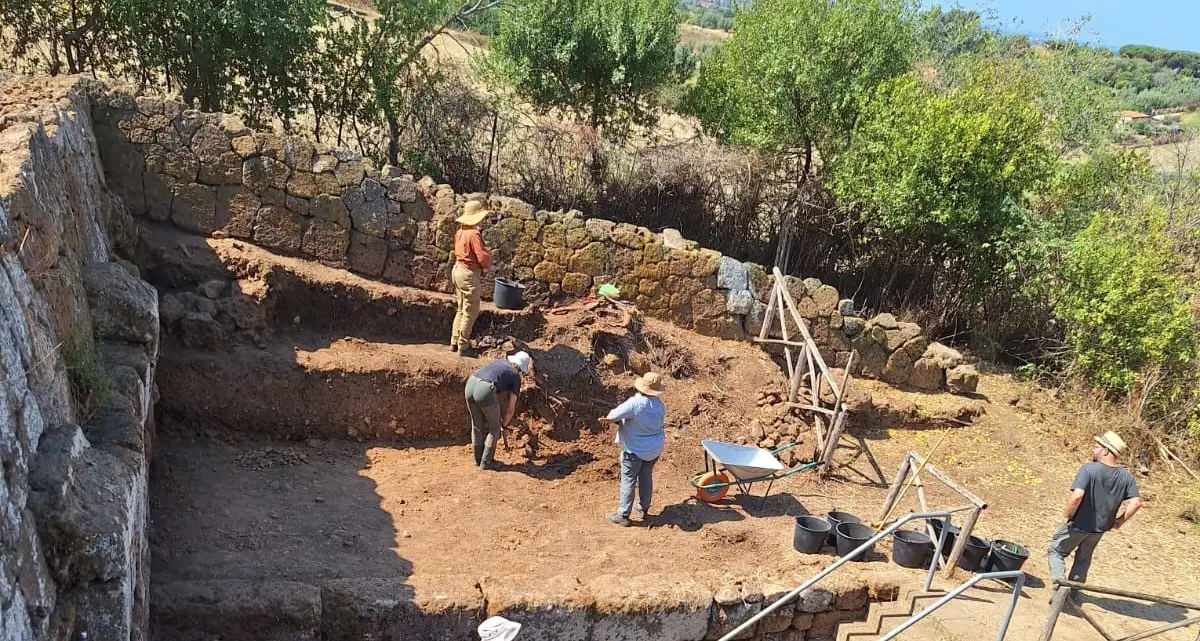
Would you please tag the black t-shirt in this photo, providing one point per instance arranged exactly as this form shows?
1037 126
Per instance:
502 375
1105 488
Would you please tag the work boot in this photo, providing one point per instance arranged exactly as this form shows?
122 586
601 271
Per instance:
454 348
468 352
617 519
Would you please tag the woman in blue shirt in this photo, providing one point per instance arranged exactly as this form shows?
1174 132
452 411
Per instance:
640 432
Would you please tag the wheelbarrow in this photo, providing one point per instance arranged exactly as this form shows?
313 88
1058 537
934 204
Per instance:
729 464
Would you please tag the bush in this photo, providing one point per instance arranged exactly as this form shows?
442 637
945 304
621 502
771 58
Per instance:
91 386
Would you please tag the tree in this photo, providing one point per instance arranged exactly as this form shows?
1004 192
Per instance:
795 74
944 173
602 61
61 36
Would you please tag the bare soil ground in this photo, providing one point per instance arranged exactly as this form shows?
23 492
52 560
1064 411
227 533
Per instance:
229 505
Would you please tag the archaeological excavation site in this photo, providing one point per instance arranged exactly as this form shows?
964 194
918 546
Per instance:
230 411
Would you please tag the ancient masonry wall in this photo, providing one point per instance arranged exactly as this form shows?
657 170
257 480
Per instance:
208 173
73 551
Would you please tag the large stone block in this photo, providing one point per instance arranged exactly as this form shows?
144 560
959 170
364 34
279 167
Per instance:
730 609
326 241
629 612
123 307
225 169
826 300
899 367
367 254
277 228
926 375
576 284
943 356
399 265
263 172
330 208
739 302
194 208
240 214
370 218
963 379
591 260
209 142
732 274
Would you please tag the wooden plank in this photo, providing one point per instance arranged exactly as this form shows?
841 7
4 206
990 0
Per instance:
797 376
1087 616
815 378
1163 628
894 491
960 543
791 304
951 483
1056 608
787 351
765 332
1128 594
779 341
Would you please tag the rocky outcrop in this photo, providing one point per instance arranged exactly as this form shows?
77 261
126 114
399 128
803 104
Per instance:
78 343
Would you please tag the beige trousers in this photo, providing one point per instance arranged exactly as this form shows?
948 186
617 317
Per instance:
466 295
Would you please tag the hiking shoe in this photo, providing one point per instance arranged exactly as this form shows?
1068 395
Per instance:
617 519
454 348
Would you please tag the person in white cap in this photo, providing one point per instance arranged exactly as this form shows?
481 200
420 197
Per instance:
498 629
499 380
1099 490
640 432
471 258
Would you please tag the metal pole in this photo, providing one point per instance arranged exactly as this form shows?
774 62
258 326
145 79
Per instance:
966 585
937 552
787 598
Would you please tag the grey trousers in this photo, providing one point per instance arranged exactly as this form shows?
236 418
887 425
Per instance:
1065 541
485 420
639 473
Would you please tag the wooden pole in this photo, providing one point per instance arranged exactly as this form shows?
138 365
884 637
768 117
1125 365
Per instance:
787 349
791 304
960 543
1092 620
1128 594
764 334
802 366
835 435
901 474
1056 607
1159 630
954 485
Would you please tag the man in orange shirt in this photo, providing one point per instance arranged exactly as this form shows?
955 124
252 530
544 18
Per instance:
471 258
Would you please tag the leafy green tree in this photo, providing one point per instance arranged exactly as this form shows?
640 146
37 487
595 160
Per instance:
1123 300
795 74
948 170
62 36
602 61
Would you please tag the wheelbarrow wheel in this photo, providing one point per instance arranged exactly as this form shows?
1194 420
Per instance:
714 494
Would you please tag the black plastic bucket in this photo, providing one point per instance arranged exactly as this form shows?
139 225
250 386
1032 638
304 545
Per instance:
508 294
810 534
1006 556
852 535
910 548
951 535
974 554
835 519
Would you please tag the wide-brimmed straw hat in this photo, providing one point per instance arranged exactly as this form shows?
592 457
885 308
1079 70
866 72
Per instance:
649 384
1112 442
473 213
498 629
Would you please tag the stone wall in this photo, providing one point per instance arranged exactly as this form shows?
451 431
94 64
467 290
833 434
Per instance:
73 552
561 608
210 174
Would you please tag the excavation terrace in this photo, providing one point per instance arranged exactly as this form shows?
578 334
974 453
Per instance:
230 412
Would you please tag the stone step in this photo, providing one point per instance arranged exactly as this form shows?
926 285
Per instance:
885 616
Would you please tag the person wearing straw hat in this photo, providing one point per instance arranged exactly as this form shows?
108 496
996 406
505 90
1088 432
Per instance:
483 390
498 629
471 258
1095 507
640 433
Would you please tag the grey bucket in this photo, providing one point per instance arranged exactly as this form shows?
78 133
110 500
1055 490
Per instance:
810 534
835 519
852 535
508 294
910 548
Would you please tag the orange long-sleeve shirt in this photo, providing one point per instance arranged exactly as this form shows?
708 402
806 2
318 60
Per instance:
469 250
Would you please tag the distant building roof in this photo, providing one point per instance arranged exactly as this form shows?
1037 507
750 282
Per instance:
1134 114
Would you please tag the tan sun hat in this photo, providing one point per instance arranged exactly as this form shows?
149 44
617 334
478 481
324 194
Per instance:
1111 442
649 384
473 213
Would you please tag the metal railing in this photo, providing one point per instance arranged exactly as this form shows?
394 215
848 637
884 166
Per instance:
966 585
859 551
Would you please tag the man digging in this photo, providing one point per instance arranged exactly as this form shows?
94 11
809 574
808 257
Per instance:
640 433
1099 489
486 388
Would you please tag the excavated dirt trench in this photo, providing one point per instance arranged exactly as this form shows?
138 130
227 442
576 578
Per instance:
311 478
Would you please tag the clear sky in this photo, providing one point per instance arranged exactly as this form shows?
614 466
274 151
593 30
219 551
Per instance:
1171 24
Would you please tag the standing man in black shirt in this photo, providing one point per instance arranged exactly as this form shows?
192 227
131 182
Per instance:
499 380
1099 489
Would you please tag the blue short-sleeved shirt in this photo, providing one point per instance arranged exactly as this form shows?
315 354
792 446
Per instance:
502 375
641 431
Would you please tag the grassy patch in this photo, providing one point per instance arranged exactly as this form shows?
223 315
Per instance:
91 386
